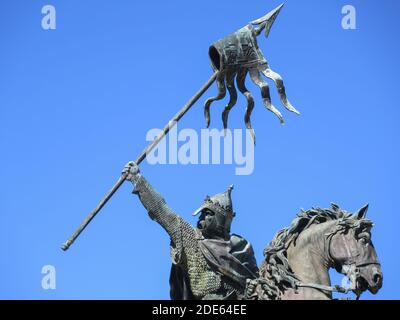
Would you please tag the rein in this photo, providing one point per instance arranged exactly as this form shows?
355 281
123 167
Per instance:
335 288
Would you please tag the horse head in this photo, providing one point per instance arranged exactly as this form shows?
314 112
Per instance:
299 257
353 253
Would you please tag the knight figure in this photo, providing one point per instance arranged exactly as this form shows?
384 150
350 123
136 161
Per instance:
208 263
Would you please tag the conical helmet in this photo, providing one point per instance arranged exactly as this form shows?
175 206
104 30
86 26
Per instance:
221 205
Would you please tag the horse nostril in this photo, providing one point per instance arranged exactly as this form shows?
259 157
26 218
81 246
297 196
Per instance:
377 278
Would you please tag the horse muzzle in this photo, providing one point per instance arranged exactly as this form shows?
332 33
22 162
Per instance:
370 277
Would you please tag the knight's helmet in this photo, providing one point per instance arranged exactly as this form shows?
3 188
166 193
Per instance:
221 205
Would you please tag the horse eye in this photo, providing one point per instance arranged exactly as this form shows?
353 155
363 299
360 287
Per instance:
364 235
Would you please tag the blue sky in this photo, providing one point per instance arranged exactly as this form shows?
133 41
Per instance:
76 104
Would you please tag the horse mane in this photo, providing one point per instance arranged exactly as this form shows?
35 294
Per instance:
275 269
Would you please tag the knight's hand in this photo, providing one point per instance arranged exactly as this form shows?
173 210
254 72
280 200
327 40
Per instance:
133 171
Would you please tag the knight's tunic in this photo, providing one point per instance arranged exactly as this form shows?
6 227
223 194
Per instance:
202 268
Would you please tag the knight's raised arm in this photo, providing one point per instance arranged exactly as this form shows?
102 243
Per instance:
154 203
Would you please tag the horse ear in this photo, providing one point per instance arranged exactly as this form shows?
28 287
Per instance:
361 213
334 206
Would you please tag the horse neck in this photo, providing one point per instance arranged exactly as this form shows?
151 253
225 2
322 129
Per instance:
308 257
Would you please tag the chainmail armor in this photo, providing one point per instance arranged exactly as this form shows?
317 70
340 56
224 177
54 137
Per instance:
205 283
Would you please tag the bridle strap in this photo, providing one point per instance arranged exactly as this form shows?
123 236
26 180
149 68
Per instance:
363 264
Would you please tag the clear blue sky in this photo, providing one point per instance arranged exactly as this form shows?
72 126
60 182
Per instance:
77 102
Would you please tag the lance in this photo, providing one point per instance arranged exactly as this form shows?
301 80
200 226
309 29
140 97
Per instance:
232 58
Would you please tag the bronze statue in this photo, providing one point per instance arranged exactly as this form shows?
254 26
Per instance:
208 262
211 263
297 260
